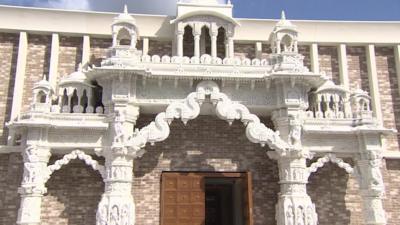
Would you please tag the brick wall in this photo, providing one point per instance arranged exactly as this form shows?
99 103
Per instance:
391 177
11 170
160 48
335 195
8 62
98 49
357 68
328 62
38 63
305 51
73 194
70 55
266 50
245 50
389 92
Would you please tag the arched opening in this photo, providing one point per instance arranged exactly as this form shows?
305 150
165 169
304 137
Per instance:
41 97
286 43
188 42
221 43
64 98
96 100
73 194
124 37
84 101
335 194
74 100
205 41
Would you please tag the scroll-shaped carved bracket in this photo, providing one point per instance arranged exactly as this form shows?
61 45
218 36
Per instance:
330 158
189 109
76 154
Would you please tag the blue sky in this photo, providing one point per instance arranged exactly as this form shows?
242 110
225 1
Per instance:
295 9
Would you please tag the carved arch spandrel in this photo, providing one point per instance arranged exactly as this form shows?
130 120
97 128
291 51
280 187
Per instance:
76 154
189 108
331 158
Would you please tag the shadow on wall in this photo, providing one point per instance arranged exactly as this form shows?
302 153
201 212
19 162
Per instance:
385 54
73 195
11 169
335 195
391 175
205 144
10 85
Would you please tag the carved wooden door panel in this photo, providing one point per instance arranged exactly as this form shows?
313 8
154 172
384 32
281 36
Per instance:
182 199
247 198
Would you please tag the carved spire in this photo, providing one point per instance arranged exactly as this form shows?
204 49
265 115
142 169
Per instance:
125 9
283 16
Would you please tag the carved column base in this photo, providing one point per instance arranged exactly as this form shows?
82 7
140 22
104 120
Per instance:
30 206
116 210
373 212
293 210
116 206
294 204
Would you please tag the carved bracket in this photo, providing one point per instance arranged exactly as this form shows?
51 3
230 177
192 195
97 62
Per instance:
189 108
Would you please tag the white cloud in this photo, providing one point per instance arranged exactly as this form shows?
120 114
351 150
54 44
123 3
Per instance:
163 7
63 4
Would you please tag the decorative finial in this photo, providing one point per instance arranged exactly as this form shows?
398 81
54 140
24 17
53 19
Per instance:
125 9
80 67
283 16
44 77
229 2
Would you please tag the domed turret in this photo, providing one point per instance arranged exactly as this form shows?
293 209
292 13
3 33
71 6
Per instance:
42 92
75 93
284 36
124 30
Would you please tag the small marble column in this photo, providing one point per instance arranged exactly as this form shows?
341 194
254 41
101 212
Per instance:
33 184
258 48
196 36
231 47
145 48
179 43
294 204
226 48
214 36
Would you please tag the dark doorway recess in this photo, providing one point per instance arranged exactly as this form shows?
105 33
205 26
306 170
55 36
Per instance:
191 198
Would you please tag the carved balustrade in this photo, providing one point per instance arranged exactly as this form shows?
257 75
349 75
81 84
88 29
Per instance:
332 101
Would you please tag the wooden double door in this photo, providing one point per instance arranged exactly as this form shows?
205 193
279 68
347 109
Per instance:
189 198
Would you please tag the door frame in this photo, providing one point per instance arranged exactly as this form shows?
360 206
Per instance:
244 175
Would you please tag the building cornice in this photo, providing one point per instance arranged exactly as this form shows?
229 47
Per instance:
78 23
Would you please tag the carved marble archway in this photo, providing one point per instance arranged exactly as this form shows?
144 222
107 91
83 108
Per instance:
76 154
189 108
